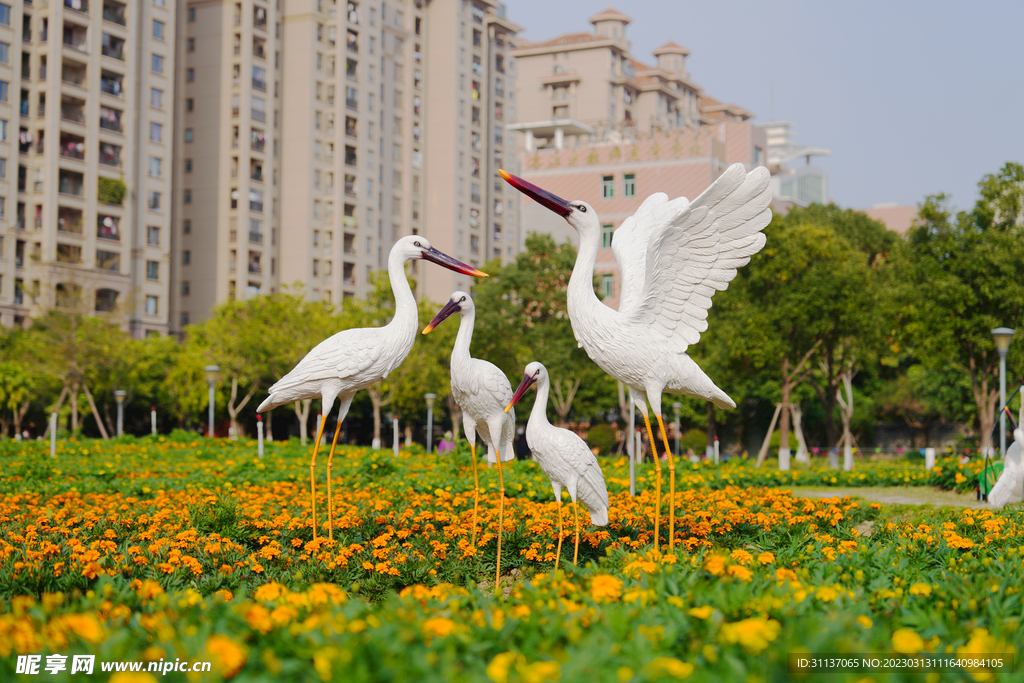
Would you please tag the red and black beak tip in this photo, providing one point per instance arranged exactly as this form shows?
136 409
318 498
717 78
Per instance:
449 308
520 390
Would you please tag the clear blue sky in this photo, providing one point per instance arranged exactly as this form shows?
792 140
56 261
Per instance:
912 97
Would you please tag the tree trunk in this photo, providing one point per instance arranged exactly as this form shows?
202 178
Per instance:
986 401
234 410
456 414
709 452
95 413
787 388
302 412
562 401
74 407
56 409
846 413
270 425
801 448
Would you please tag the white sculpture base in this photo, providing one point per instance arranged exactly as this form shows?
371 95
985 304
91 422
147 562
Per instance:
833 460
784 459
847 458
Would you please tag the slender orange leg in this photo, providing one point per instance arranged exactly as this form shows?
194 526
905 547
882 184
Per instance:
657 495
476 489
312 475
501 521
576 518
671 488
330 498
558 552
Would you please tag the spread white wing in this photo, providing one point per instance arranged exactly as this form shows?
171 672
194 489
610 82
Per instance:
629 245
695 250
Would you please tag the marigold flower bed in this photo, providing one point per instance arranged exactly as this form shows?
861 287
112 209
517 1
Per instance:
159 549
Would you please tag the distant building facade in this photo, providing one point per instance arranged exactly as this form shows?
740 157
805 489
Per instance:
794 184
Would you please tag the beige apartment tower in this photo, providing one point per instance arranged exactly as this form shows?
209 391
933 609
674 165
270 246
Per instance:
86 93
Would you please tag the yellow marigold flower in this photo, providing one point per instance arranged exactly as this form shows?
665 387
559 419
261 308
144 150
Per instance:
921 589
605 588
225 595
715 564
270 591
439 627
702 612
906 641
741 556
320 593
865 621
739 572
153 653
258 618
228 657
521 611
283 615
499 667
541 672
766 558
669 666
149 589
783 574
960 478
132 677
753 634
826 593
85 626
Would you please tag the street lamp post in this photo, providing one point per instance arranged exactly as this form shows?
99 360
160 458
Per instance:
676 407
119 397
430 421
1003 335
211 378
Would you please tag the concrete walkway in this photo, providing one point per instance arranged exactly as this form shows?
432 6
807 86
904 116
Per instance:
901 495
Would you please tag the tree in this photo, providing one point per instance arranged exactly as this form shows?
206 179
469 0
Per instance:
19 379
966 272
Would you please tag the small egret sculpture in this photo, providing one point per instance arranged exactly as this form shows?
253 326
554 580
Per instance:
1008 488
673 256
482 391
564 457
354 359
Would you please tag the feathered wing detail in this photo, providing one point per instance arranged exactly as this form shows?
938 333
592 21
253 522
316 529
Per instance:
591 489
629 245
696 250
344 355
484 391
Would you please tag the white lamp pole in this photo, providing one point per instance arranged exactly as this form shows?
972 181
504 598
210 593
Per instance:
430 421
211 378
1003 335
676 407
119 397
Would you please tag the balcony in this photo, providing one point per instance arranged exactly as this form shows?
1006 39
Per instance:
113 12
255 267
110 119
257 141
73 74
259 18
107 227
71 183
108 260
78 5
110 83
110 155
255 237
113 47
69 253
76 37
259 47
72 110
69 220
72 146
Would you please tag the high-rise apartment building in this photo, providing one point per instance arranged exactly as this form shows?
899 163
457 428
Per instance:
86 118
314 134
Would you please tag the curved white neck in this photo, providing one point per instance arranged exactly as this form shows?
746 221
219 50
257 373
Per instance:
406 318
460 352
540 405
585 308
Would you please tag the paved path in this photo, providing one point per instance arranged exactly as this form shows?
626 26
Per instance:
904 495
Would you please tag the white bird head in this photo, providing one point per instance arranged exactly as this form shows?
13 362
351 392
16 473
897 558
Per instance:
418 247
459 303
535 372
576 213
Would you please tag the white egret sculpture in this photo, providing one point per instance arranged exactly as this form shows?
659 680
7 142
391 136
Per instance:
354 359
673 256
564 457
482 391
1008 488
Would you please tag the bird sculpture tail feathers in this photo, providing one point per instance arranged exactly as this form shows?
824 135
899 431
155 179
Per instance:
269 403
722 400
599 517
1008 488
507 453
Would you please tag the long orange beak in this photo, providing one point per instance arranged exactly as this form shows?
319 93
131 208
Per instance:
442 315
546 199
443 259
523 386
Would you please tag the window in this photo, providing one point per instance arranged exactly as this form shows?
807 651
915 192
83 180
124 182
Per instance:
629 185
259 78
156 98
4 88
152 303
154 201
159 3
606 235
155 167
153 235
5 53
152 270
607 285
191 13
158 64
185 288
156 132
188 165
187 227
158 29
190 74
188 135
5 14
190 45
184 319
190 104
108 260
188 196
607 186
186 257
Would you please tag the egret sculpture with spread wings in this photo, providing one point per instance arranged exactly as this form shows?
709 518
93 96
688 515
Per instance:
482 391
673 256
354 359
564 457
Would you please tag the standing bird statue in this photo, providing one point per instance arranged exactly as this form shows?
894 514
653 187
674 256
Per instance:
482 391
1008 488
673 256
564 457
354 359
